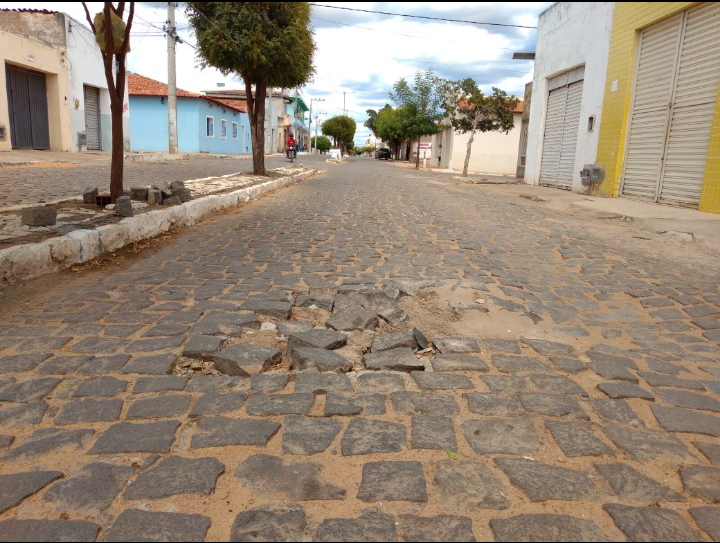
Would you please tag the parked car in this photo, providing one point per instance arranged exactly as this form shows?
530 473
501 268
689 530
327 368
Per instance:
383 152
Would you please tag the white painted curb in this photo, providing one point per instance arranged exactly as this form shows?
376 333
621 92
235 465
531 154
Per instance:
24 262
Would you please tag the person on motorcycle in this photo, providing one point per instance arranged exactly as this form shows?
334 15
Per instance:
290 147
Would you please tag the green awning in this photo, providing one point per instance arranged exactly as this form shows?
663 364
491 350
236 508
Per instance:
301 105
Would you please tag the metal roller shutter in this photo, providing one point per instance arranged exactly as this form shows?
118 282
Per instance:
566 167
92 118
552 142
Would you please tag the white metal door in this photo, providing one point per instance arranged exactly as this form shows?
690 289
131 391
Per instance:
552 142
571 122
92 117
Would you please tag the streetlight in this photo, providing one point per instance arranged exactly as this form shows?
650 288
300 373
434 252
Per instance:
311 101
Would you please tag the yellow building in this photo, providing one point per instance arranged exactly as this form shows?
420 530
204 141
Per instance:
659 135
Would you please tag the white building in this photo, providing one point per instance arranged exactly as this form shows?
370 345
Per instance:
571 59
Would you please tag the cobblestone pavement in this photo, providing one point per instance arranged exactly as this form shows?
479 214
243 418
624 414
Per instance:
27 185
576 396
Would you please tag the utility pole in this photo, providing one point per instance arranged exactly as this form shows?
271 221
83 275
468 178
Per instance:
172 82
343 102
311 101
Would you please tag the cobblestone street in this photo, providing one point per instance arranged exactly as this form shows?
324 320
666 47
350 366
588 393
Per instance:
265 374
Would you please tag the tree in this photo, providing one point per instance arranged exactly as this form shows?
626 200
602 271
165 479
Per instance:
321 143
390 127
341 129
113 37
470 110
371 122
269 44
422 103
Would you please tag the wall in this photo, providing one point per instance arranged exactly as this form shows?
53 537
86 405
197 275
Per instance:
149 124
570 34
218 144
492 152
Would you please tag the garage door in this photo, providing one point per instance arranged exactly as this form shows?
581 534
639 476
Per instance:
557 167
92 117
27 105
675 93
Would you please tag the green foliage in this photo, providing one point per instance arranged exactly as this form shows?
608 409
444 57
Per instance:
470 110
322 143
341 128
371 122
390 124
422 103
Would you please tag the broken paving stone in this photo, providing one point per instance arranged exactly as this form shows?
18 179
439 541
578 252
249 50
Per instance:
280 404
216 403
553 405
396 340
15 487
458 362
322 383
392 314
371 526
469 486
245 359
31 530
441 381
640 444
501 435
308 435
702 481
314 359
199 476
319 337
129 437
424 403
629 484
369 436
356 404
264 383
223 432
543 527
270 523
420 339
91 490
353 319
438 528
392 481
138 525
402 359
494 405
323 298
433 433
287 479
200 346
450 345
675 419
547 482
293 327
577 438
650 523
276 309
619 391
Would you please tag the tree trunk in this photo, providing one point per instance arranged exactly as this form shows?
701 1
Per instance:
118 151
256 113
467 153
417 157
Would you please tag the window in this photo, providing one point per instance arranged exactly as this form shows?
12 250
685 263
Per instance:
235 135
223 128
210 126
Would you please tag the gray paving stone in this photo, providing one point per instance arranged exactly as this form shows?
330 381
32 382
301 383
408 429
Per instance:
159 407
242 319
441 381
557 384
424 403
433 433
102 365
570 365
517 364
347 320
708 323
263 383
271 523
89 410
369 436
469 486
159 364
502 345
691 400
289 327
137 525
629 484
662 380
245 359
500 384
176 475
708 518
91 490
356 404
458 362
216 383
438 528
308 435
662 366
223 432
18 363
101 386
641 444
710 450
402 359
621 390
450 345
494 405
32 530
392 481
553 405
650 523
281 404
616 411
201 346
216 403
675 419
702 481
6 441
15 487
287 479
370 526
30 390
501 435
550 348
543 527
322 383
93 345
319 338
46 440
314 359
395 340
547 482
62 365
577 438
614 370
381 383
269 308
130 437
159 384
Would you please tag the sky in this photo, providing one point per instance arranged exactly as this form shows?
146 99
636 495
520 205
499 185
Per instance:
360 54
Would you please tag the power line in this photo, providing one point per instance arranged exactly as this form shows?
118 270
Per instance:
421 16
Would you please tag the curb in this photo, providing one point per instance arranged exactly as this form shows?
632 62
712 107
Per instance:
32 260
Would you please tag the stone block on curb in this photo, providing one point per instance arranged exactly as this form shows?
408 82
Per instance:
123 206
185 195
171 201
154 197
90 195
139 194
39 216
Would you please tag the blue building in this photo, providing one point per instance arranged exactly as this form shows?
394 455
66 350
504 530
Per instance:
205 124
